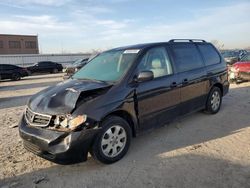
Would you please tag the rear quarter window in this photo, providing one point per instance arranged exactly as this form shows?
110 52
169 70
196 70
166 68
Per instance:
209 54
186 57
9 67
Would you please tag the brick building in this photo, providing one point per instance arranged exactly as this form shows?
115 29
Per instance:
18 44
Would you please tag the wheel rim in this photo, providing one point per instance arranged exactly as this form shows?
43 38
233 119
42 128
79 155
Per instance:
215 101
113 141
15 77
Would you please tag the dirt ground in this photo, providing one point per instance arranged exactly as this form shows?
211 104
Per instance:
199 150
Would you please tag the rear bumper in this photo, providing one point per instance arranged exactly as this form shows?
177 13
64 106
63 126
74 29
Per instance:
244 75
58 147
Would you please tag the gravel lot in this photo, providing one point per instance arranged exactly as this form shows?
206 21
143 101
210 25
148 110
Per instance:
199 150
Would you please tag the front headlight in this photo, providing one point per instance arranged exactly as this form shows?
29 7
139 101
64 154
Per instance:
70 122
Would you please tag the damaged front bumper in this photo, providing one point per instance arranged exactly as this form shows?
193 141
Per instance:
57 146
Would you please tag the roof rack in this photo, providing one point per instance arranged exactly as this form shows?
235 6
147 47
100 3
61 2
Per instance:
187 40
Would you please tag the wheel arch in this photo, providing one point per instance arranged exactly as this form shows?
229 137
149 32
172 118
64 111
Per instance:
126 116
220 86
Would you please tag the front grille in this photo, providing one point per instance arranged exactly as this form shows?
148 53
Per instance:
36 119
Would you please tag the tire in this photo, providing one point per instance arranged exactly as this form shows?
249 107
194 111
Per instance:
16 76
109 147
55 70
238 82
214 101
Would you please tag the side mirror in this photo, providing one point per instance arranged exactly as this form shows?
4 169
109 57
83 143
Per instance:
144 76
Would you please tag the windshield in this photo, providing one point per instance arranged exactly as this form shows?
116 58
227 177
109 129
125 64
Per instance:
108 66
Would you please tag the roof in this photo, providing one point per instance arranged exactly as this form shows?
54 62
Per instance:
139 46
146 45
16 35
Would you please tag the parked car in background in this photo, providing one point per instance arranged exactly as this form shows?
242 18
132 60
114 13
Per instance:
75 66
12 72
242 53
240 71
230 56
119 94
45 67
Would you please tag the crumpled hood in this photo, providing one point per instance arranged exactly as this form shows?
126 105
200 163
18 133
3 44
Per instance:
62 98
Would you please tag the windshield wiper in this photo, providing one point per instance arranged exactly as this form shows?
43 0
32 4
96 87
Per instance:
94 80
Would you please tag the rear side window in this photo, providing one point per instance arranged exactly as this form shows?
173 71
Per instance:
210 55
187 57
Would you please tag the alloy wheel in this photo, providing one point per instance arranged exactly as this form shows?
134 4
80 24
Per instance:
215 100
113 141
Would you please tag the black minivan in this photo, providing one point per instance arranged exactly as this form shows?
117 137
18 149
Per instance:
119 94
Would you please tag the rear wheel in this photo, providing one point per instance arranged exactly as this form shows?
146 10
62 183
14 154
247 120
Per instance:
55 70
214 100
112 143
16 76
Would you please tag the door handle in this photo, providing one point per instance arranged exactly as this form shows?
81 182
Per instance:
174 84
185 81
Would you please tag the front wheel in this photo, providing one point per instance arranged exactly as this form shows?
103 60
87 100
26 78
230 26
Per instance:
112 143
214 100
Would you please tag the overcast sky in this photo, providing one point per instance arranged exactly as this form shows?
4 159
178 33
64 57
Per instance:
83 25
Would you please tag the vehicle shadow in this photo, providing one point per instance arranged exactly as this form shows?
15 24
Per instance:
154 159
188 170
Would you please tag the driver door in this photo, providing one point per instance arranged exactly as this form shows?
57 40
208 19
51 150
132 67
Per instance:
158 99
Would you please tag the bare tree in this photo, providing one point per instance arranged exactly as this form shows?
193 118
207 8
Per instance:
217 44
248 48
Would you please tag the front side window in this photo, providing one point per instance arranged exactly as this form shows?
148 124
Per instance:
109 66
186 57
157 61
210 55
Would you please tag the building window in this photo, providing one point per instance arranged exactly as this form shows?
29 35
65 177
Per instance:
30 44
1 44
14 44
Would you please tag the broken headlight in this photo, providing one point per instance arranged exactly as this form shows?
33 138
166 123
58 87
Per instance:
67 121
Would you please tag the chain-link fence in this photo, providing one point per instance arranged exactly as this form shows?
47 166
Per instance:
27 60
